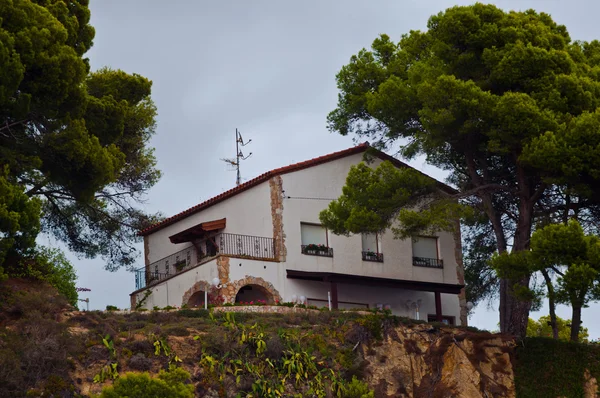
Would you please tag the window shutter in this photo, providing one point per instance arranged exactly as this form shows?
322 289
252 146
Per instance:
369 243
425 247
313 234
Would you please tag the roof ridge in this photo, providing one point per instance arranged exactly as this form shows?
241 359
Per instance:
252 182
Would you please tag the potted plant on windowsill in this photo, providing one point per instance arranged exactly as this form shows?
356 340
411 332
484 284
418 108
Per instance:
370 255
315 249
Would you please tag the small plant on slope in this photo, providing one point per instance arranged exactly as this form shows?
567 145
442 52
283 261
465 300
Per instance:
170 384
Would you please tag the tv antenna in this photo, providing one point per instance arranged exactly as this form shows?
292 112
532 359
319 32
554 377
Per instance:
239 156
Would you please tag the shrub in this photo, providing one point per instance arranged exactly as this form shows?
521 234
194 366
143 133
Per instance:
140 362
187 313
51 266
140 347
357 389
275 348
176 330
40 349
111 308
141 385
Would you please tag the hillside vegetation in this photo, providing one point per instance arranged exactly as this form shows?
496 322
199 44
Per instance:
47 349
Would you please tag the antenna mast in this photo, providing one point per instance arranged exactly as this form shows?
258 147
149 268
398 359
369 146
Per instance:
239 156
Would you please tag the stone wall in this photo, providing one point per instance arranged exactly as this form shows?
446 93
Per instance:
263 309
276 188
200 286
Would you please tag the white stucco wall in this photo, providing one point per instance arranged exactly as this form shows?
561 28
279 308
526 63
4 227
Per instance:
370 295
325 181
171 291
247 213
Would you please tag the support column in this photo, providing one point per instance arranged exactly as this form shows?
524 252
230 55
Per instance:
438 307
334 296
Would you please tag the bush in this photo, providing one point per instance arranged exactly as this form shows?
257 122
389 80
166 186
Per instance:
141 385
111 308
187 313
140 362
50 265
40 349
357 389
176 330
140 347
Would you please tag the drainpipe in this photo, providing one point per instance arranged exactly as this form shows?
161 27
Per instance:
205 298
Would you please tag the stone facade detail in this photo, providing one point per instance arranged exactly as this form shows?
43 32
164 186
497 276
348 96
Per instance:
200 286
230 291
276 189
223 269
146 252
460 274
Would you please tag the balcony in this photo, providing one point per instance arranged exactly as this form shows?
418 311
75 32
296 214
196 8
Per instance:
317 250
247 246
372 256
428 262
244 246
141 281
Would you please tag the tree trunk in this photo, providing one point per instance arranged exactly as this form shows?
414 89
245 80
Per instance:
551 304
575 322
517 311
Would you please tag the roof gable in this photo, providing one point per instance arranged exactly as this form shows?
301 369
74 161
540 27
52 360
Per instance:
268 175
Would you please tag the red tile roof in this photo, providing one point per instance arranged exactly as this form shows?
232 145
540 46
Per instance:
265 177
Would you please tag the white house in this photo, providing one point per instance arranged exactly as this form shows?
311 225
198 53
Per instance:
262 240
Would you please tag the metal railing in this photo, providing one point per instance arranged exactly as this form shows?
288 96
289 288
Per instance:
174 263
315 250
142 279
371 256
257 247
428 262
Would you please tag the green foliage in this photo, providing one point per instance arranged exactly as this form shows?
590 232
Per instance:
72 142
554 368
19 217
574 257
111 308
49 265
504 101
141 385
110 345
542 328
478 246
373 199
357 389
108 372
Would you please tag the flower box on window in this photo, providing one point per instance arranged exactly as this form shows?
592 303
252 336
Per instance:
317 250
372 256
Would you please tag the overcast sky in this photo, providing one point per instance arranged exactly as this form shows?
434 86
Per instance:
267 68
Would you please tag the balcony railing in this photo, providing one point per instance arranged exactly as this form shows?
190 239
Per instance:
372 256
317 250
256 247
428 262
142 279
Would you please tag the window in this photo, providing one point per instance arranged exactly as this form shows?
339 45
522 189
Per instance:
314 240
371 248
425 252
